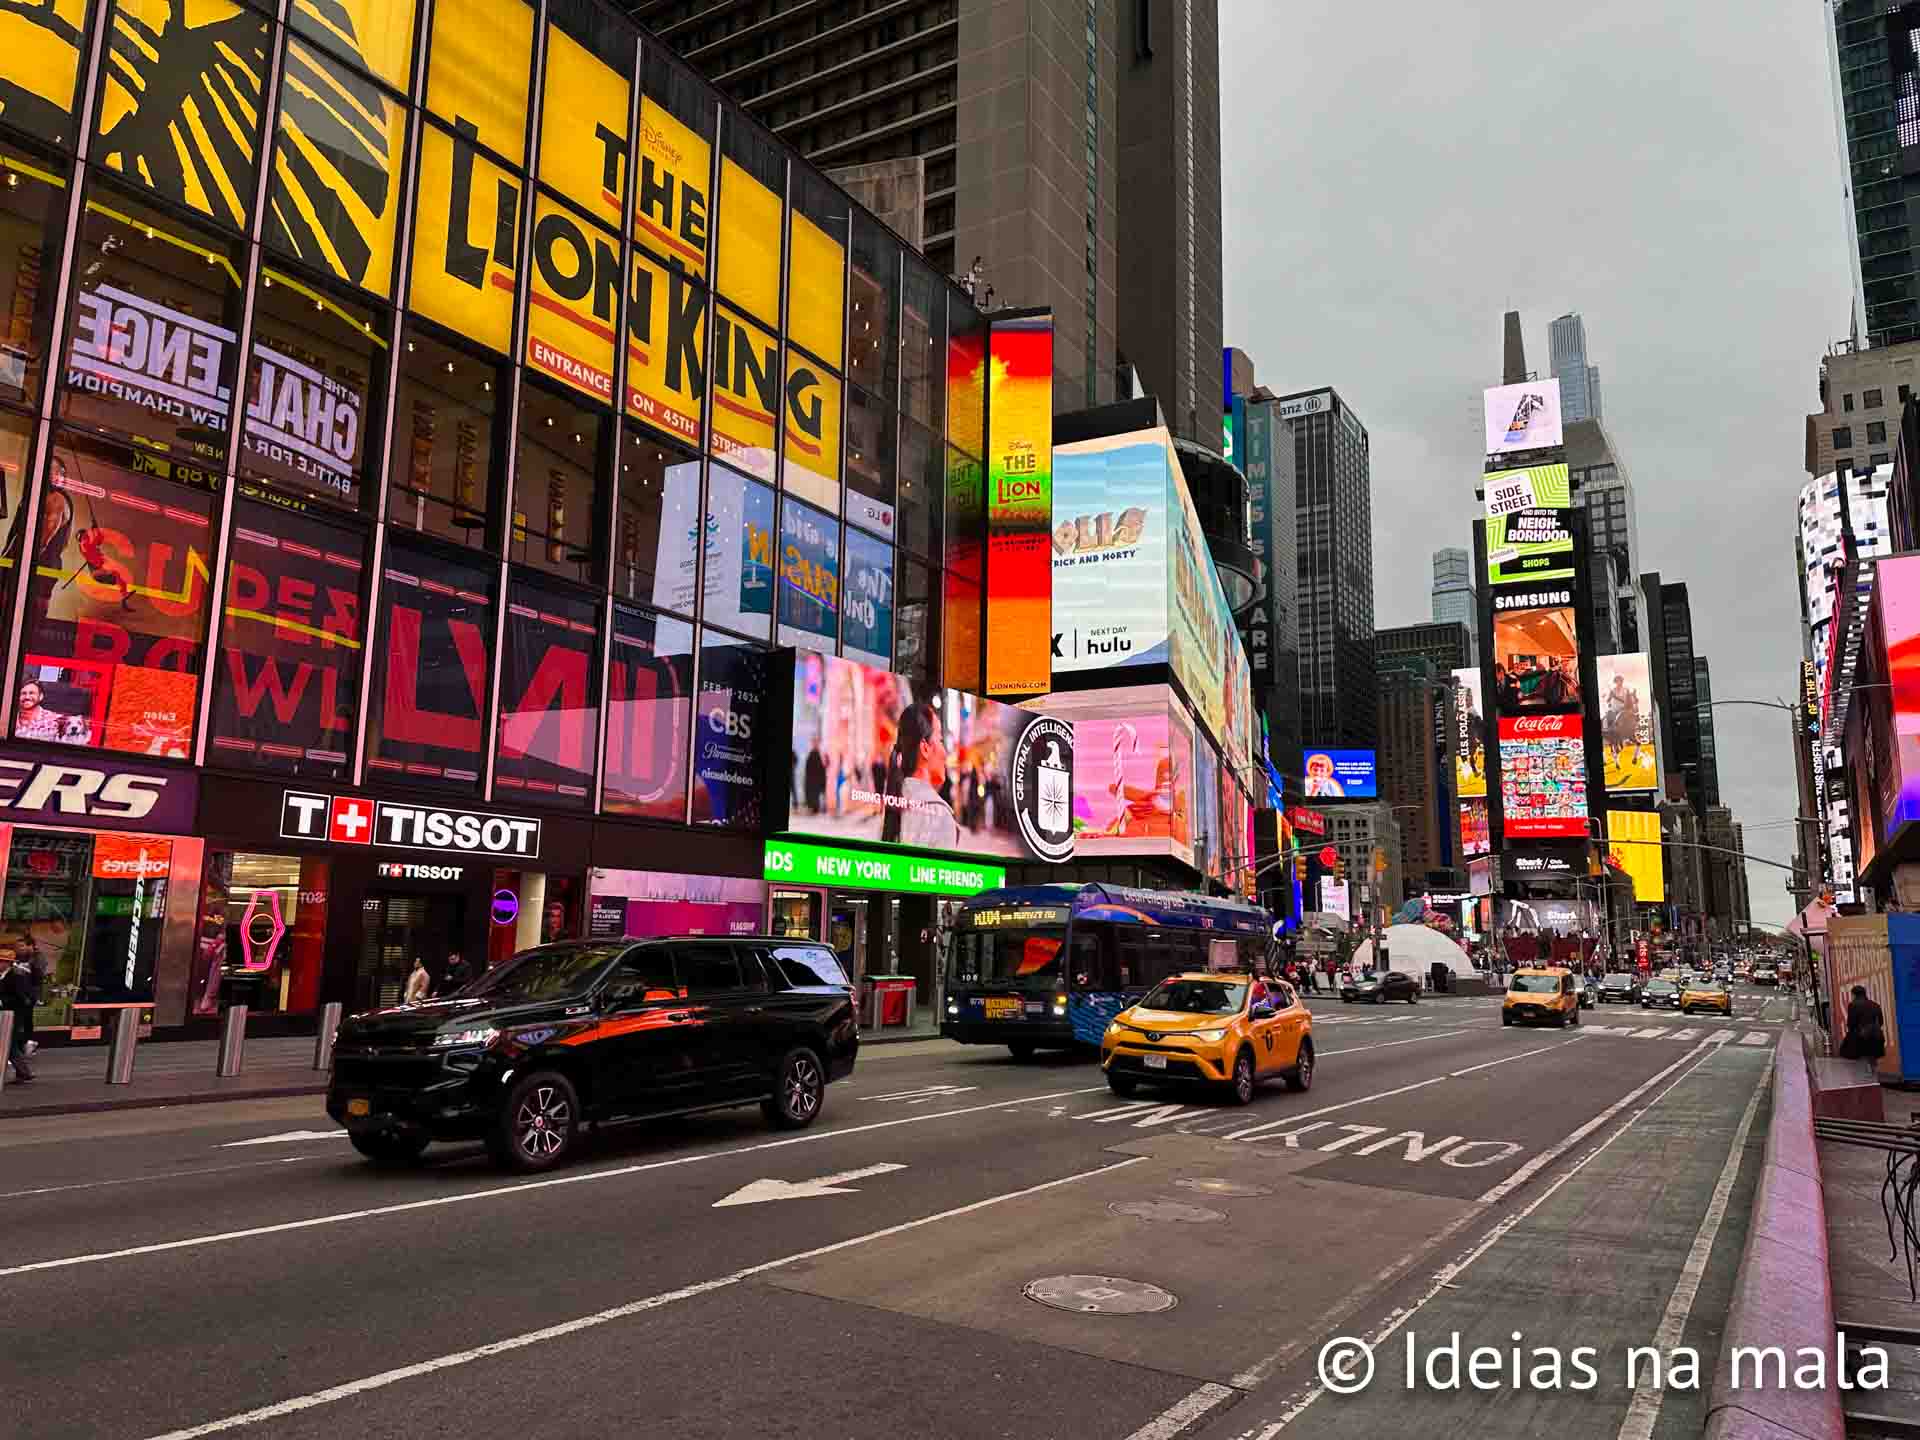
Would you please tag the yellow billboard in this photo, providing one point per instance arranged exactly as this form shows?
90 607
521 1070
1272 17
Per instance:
583 128
377 34
477 71
816 290
39 62
812 433
1633 838
575 301
670 209
666 339
746 393
749 259
466 224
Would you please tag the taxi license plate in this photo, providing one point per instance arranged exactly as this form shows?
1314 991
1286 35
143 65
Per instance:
359 1107
1003 1009
1155 1062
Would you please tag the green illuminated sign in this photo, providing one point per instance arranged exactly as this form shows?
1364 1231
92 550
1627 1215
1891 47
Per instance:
798 864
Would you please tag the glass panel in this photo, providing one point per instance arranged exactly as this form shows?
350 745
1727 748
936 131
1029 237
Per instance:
874 319
549 696
923 343
576 300
89 908
181 92
746 398
291 639
868 633
966 514
263 926
477 72
923 483
809 578
959 626
40 52
556 500
659 497
584 107
16 448
671 208
650 699
33 221
333 199
316 370
739 559
666 348
150 340
733 687
376 35
116 614
429 701
812 440
967 380
466 237
917 652
445 415
753 172
817 268
872 464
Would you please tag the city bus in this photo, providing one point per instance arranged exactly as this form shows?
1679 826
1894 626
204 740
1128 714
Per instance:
1048 966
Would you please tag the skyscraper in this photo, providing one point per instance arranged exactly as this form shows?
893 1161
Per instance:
1703 713
1682 687
1513 367
1579 381
1602 488
1064 143
1453 594
1875 70
1333 509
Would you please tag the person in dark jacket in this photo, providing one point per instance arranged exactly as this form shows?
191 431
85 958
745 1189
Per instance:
19 993
1866 1037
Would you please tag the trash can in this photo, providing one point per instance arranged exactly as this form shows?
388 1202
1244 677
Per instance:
890 1001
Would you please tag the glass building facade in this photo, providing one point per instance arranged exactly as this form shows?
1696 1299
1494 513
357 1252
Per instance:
457 402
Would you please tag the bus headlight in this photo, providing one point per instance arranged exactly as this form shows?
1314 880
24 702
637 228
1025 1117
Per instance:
953 1007
1059 1004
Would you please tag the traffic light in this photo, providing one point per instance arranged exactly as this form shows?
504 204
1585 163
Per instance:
1300 866
1340 867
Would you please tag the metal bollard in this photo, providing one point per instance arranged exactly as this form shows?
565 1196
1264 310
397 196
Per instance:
324 1037
233 1041
6 1045
126 1035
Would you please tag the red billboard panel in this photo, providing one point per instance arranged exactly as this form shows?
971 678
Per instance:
1543 776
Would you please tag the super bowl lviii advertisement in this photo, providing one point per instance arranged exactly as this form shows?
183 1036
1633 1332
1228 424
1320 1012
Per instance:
1626 723
878 758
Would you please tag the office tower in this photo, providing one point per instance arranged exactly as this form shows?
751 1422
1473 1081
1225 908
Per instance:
1862 393
1333 512
1513 369
1453 595
1064 143
1875 71
1567 357
1703 711
1442 645
1416 754
1602 489
1682 688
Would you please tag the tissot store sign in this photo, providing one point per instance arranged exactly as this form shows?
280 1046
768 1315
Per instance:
102 793
356 820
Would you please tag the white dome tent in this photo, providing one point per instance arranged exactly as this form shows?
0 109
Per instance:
1414 950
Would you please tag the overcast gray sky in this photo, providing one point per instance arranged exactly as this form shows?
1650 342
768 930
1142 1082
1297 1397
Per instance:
1396 176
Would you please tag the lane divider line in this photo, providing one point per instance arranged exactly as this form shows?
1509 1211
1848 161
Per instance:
385 1378
153 1179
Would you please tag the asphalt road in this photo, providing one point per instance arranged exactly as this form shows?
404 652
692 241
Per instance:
235 1269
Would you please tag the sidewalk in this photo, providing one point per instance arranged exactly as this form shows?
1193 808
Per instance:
71 1079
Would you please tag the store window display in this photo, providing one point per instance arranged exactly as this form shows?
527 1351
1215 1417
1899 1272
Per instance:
263 926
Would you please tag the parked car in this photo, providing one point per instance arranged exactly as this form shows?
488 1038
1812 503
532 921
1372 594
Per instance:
1379 986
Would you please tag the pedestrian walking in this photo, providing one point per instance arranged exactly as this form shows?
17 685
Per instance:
419 983
19 993
457 974
1866 1037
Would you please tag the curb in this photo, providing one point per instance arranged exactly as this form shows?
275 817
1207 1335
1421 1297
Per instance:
156 1102
1784 1293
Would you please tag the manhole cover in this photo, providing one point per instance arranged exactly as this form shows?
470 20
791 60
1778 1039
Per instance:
1100 1295
1209 1186
1171 1210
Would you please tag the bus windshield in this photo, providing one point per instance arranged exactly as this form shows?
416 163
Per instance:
1008 957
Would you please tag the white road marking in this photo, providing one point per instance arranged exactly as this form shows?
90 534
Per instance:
1644 1408
1688 1034
1654 1034
604 1317
153 1179
1456 1074
925 1092
1417 1146
1361 1132
1390 1044
761 1191
1178 1417
287 1137
1755 1037
583 1178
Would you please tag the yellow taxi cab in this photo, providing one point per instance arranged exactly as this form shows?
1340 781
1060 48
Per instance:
1705 994
1228 1029
1541 996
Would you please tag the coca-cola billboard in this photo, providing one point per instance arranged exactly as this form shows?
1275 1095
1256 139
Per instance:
1543 776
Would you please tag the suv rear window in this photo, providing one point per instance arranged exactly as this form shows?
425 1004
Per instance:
801 966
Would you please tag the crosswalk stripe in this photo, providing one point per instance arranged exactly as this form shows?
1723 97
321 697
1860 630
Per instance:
1686 1034
1653 1034
1754 1037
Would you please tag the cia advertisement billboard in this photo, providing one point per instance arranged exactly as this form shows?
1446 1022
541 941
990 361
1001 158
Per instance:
1341 774
1019 504
1543 776
1523 417
1470 736
877 758
1627 734
1633 843
1133 780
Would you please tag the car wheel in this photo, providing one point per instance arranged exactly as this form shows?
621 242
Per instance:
1122 1085
799 1086
1574 1019
1506 1020
536 1127
1346 999
1241 1087
1413 997
1021 1050
390 1149
1301 1076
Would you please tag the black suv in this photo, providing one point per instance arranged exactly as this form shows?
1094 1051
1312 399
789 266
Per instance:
597 1031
